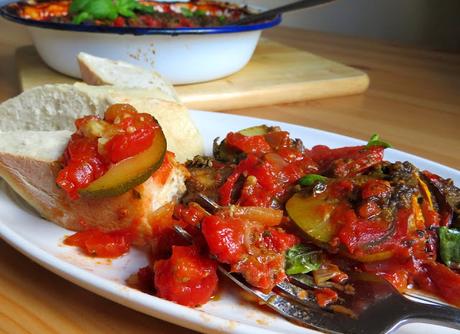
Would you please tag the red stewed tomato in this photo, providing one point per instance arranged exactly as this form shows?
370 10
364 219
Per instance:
187 277
250 247
271 167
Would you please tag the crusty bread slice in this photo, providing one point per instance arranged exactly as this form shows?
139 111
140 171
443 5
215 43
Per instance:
102 71
55 107
38 145
28 163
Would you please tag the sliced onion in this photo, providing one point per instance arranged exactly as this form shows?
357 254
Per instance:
275 160
325 273
265 216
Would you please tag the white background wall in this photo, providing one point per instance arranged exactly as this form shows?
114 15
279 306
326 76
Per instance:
426 23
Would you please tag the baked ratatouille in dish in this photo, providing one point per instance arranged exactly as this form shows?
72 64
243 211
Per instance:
133 13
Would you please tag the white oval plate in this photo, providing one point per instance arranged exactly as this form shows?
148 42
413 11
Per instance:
41 241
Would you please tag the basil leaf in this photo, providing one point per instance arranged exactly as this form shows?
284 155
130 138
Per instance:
302 259
126 7
123 3
449 248
78 5
102 9
143 8
310 179
375 141
82 17
186 12
199 12
106 9
126 12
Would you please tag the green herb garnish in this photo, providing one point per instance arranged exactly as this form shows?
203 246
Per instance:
199 12
186 12
449 248
78 5
375 141
311 179
302 259
86 10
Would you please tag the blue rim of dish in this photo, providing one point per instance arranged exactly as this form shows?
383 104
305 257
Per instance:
7 14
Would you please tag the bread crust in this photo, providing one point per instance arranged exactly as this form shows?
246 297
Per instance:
88 76
102 71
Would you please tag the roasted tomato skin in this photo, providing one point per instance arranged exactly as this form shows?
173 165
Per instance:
325 296
346 161
444 282
269 179
187 277
102 244
248 144
121 147
83 165
225 238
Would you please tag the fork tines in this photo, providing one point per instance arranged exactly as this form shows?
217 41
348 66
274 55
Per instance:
297 304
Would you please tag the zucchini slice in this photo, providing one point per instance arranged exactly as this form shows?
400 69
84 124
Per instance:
130 172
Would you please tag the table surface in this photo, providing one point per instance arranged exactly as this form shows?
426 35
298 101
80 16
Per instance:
413 102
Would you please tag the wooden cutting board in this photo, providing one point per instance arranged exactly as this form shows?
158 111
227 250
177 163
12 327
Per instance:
276 74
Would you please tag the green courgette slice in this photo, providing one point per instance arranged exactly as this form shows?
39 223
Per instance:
130 172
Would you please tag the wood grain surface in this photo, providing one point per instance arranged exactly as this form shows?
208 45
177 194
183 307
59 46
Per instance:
413 102
276 74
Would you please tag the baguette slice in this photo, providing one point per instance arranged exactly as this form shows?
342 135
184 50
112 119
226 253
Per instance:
102 71
28 163
55 107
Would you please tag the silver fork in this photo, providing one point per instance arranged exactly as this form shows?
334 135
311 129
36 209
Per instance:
375 306
281 9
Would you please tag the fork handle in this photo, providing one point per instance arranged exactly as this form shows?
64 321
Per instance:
434 314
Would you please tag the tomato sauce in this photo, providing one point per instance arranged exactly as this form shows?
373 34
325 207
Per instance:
162 174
